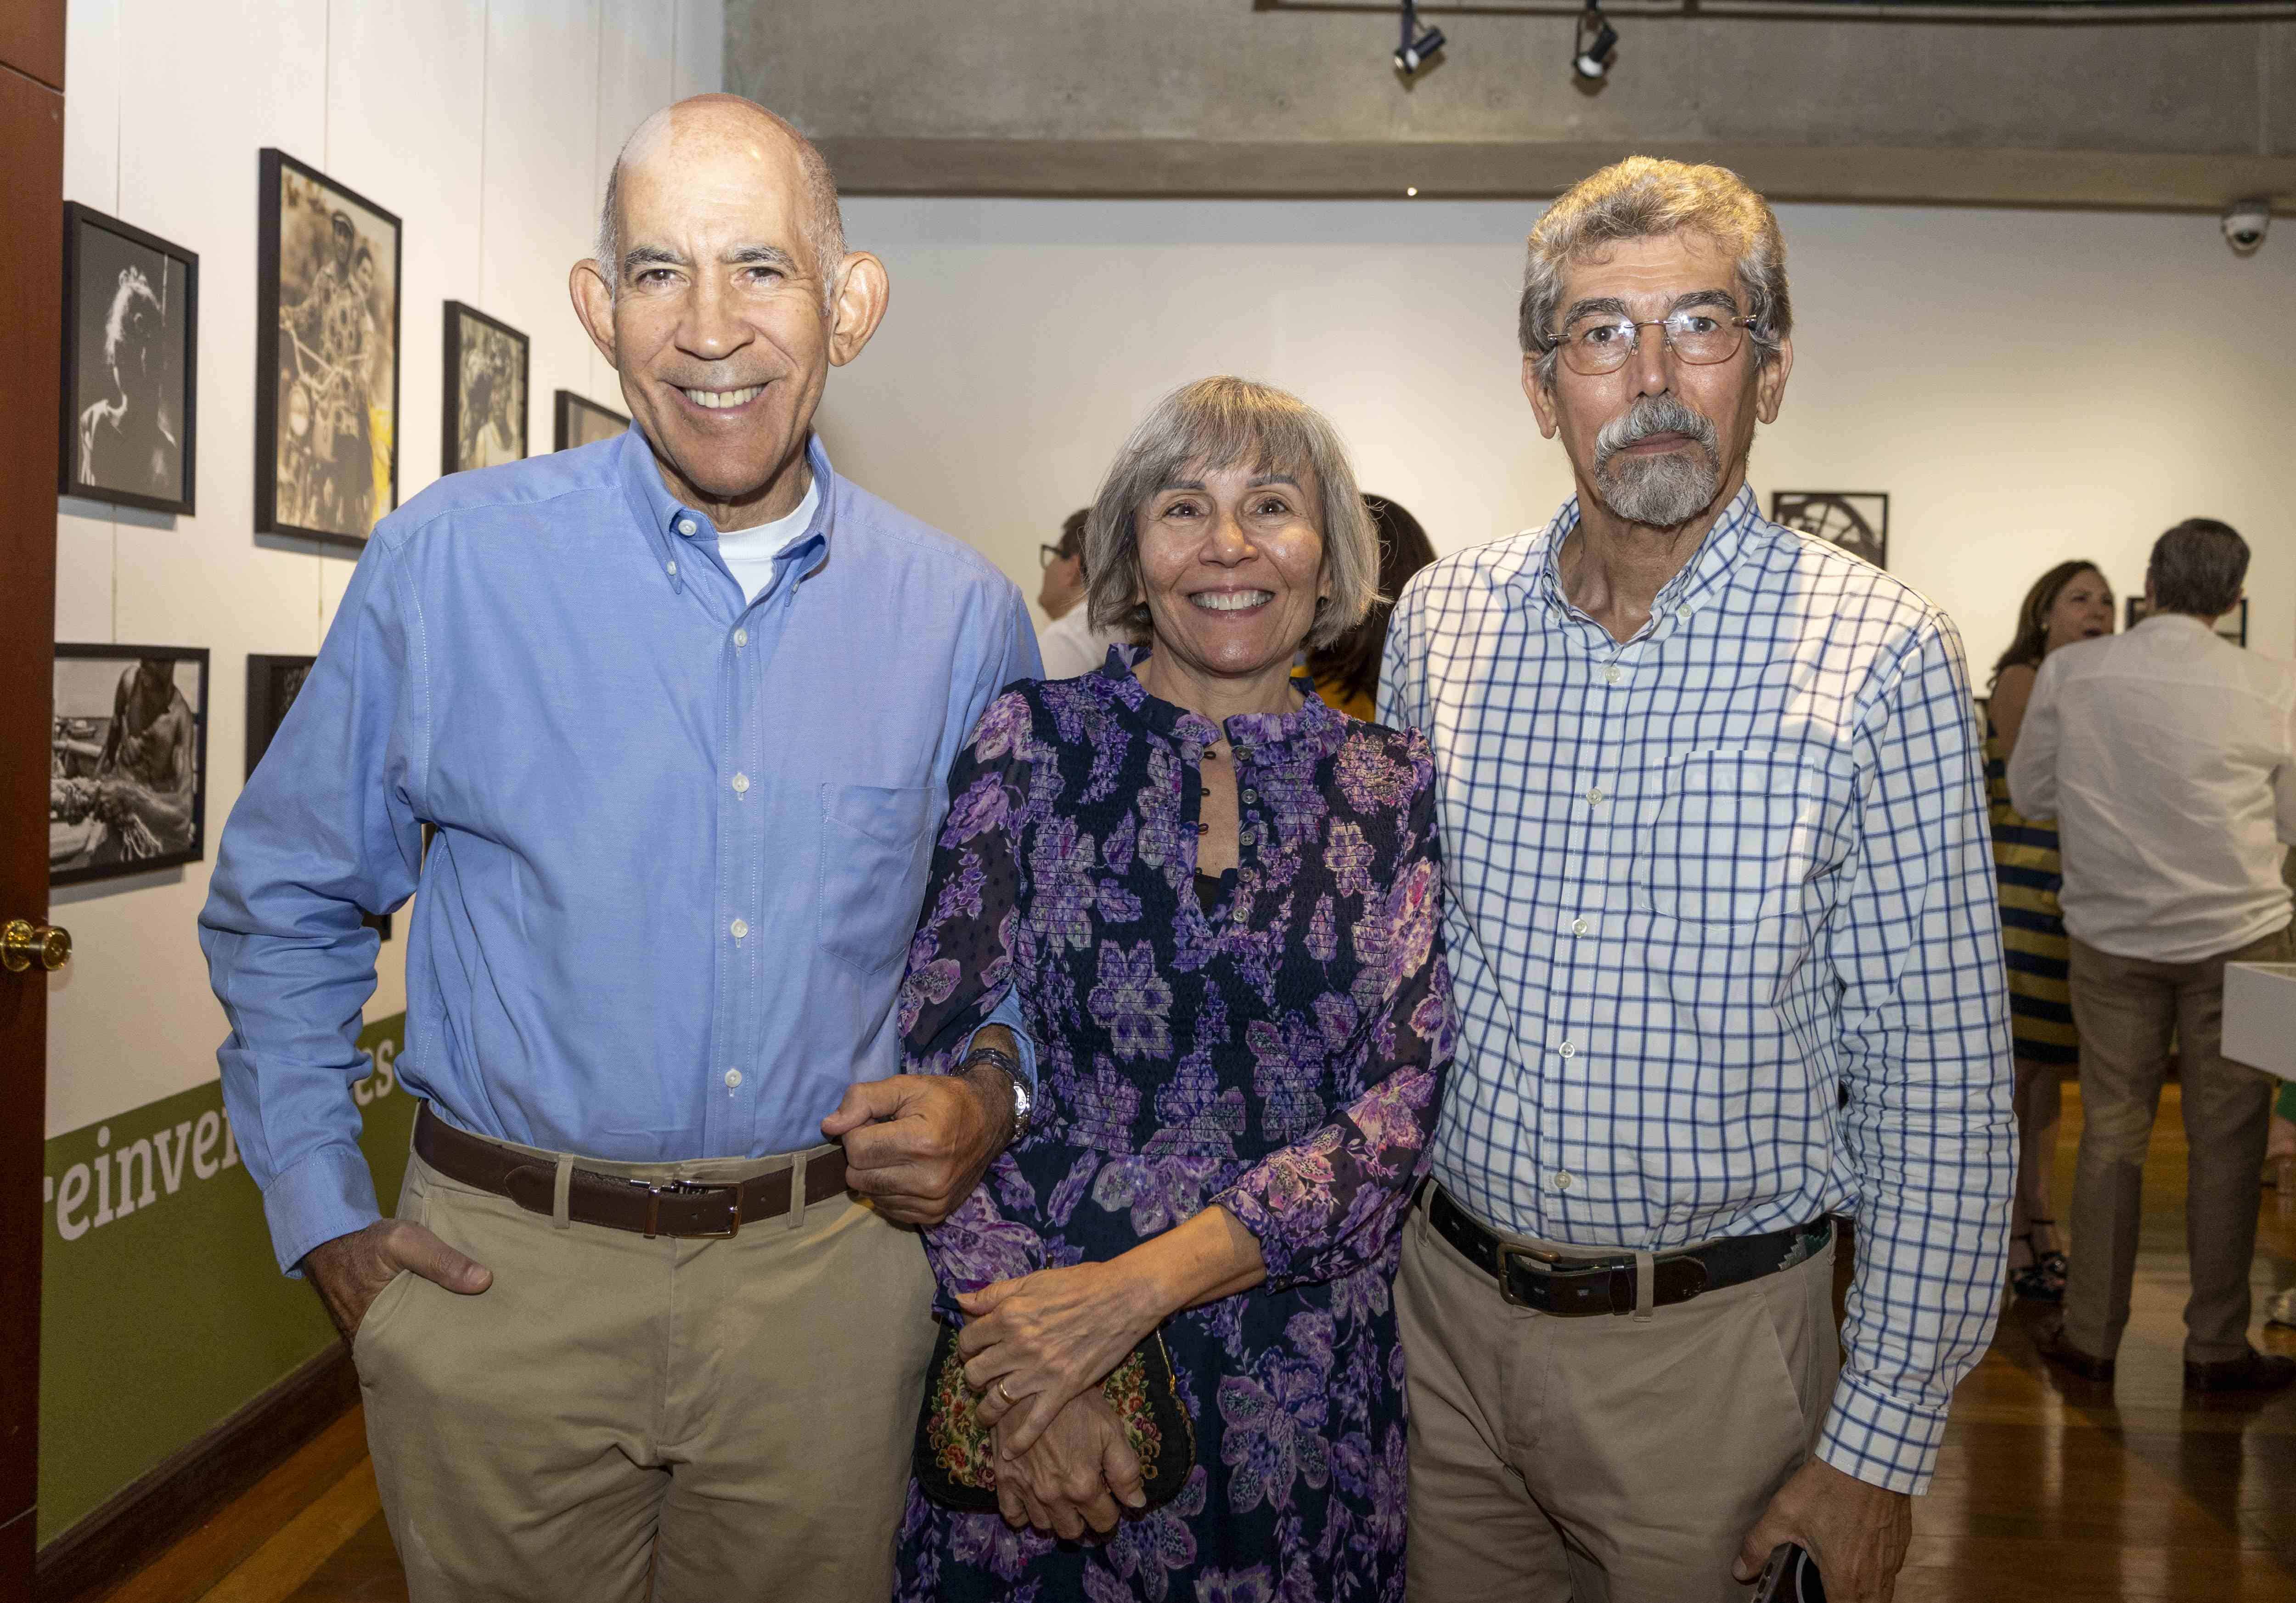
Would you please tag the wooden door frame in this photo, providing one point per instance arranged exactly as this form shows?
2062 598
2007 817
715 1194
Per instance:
31 345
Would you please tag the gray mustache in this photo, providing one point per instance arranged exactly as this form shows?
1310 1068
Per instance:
1653 414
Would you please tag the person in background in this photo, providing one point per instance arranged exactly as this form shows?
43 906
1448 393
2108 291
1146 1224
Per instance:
1346 672
2071 602
1714 848
1069 644
2168 757
679 706
1218 903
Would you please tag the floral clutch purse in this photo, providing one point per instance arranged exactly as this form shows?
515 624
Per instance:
955 1456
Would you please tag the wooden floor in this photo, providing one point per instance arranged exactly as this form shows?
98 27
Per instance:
2048 1487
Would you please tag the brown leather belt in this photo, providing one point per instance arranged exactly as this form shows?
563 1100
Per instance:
671 1208
1572 1285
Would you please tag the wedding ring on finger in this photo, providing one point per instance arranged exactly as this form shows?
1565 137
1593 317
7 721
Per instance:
1010 1400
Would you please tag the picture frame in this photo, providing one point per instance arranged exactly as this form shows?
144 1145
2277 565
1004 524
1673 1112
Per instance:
131 367
328 274
484 410
2232 626
127 775
271 684
1855 519
581 421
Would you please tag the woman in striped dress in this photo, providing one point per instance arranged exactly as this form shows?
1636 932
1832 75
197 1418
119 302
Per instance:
2071 602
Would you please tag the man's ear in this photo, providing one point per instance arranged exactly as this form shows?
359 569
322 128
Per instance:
1770 384
863 292
594 304
1542 399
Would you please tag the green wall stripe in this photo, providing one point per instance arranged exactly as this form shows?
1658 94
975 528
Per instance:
161 1318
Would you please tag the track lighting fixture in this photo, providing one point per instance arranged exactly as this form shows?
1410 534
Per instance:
1590 50
1418 47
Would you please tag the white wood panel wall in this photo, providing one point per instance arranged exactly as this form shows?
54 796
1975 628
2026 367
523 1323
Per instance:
488 125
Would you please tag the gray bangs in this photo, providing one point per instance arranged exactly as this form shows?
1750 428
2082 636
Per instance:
1225 422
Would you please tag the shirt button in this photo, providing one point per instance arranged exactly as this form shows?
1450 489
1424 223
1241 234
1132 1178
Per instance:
732 1080
741 636
1569 1049
685 525
673 568
1595 795
1244 836
1579 927
1252 796
1562 1180
1611 675
740 784
740 927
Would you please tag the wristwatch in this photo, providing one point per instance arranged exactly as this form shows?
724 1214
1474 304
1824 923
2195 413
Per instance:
1023 1103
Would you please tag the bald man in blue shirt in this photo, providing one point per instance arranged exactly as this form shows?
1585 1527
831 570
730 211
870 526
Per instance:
679 708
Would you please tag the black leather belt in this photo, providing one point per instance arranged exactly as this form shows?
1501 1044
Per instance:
669 1208
1572 1285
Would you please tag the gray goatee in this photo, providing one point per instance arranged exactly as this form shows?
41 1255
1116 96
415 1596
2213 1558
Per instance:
1661 492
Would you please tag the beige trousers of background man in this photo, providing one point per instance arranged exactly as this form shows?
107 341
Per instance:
2128 1009
697 1421
1602 1459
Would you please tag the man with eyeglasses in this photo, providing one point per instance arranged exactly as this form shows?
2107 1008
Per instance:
1068 643
1727 957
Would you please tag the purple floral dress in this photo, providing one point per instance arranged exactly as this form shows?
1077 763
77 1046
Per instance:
1279 1053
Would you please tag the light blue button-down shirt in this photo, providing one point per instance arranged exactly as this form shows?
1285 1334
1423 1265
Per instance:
681 837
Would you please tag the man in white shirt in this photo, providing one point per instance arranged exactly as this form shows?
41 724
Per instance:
1068 643
2168 757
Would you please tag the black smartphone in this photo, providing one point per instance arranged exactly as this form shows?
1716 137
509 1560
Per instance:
1790 1576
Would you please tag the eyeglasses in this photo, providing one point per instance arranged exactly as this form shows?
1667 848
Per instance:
1600 343
1047 556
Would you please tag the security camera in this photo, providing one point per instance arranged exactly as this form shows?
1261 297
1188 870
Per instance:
2245 225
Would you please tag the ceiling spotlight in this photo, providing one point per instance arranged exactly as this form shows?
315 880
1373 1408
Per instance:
1418 47
1590 51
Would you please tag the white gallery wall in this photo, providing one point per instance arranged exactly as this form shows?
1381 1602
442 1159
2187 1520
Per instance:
487 126
2025 386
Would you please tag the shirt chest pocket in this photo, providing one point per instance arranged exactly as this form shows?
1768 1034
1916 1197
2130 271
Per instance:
875 845
1738 835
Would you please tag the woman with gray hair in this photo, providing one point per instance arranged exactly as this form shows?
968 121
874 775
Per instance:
1216 900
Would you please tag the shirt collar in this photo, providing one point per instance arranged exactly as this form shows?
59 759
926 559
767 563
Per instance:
670 524
1271 735
1536 573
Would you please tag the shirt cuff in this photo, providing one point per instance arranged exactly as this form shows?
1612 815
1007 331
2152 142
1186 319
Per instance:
1008 1014
329 1194
1879 1439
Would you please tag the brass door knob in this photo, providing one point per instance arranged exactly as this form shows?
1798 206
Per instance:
23 944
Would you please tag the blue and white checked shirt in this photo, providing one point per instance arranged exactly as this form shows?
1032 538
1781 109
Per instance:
682 835
1701 881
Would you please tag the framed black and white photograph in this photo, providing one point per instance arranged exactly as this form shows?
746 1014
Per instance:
131 365
485 403
1855 519
582 420
128 761
2233 625
272 683
326 356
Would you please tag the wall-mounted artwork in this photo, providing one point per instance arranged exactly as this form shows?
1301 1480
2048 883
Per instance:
131 365
128 761
2233 625
1855 519
584 422
271 684
485 405
326 356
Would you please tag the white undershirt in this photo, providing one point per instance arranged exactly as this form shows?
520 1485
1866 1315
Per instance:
749 553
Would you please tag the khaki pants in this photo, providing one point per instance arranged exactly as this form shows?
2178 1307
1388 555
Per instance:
621 1418
2127 1010
1604 1459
